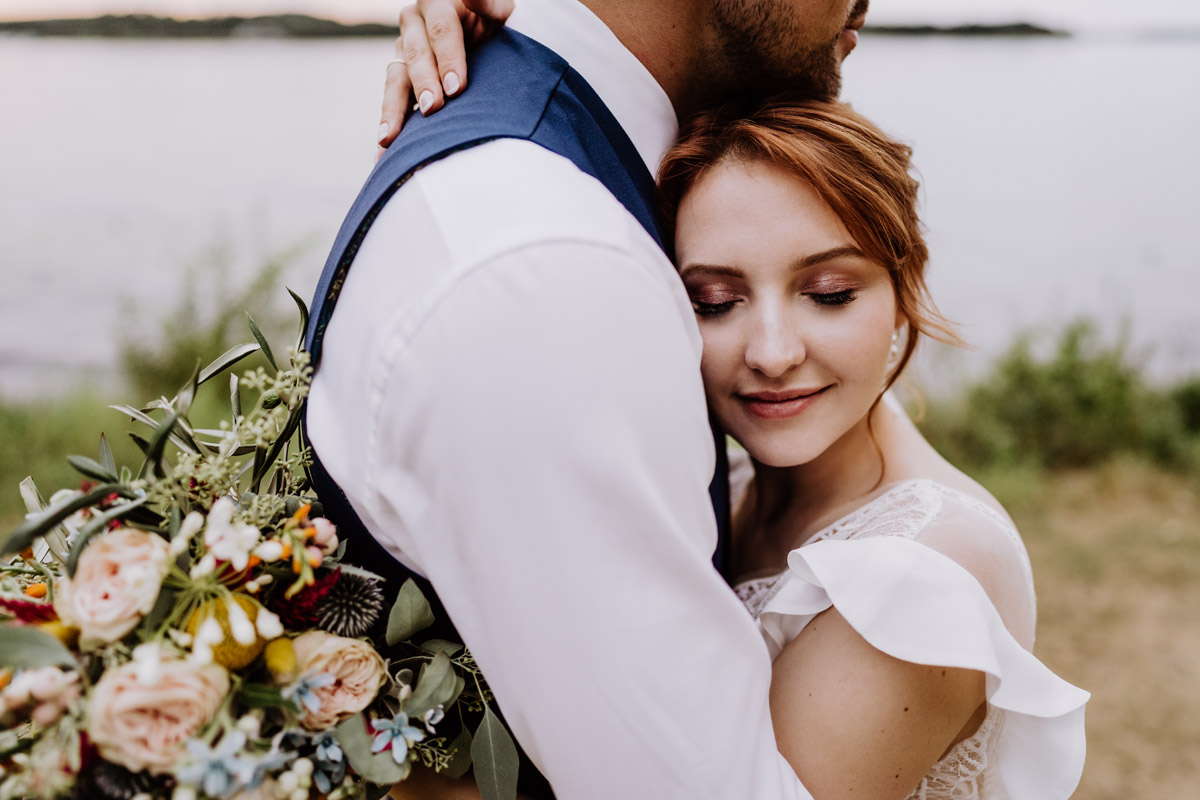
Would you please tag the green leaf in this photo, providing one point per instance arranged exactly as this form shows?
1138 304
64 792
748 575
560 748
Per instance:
179 435
235 396
92 469
183 400
30 648
378 768
460 755
261 470
162 607
441 646
55 538
48 519
410 614
495 758
300 304
260 695
436 685
226 360
158 444
106 456
262 341
142 444
97 525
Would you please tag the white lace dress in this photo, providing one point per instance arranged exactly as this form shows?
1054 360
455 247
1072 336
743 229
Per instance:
885 568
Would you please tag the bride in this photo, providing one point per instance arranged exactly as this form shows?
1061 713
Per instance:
892 591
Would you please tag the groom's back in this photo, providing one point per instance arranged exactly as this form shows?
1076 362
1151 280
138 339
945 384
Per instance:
508 394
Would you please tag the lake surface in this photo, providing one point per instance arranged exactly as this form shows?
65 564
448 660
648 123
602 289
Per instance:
1060 179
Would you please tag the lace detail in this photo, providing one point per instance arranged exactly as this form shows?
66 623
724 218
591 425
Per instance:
959 775
905 510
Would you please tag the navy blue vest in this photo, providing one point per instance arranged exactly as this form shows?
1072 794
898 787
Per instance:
520 90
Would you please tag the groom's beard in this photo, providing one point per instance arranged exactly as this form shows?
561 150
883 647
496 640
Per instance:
764 46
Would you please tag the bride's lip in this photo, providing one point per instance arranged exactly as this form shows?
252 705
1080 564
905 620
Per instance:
779 405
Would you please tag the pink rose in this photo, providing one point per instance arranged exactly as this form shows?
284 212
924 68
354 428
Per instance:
144 726
116 583
325 535
357 672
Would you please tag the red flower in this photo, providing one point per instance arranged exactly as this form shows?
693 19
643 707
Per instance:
28 612
300 612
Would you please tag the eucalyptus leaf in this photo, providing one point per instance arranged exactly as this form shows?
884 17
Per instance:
179 434
226 360
92 469
30 648
460 755
300 304
410 614
435 685
494 757
50 518
262 341
377 768
95 526
441 646
106 456
142 444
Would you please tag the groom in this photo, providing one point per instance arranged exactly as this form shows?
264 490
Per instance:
508 397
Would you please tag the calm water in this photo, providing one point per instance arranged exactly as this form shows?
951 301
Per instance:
1060 179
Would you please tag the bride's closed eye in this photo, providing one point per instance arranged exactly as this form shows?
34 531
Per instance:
712 301
841 298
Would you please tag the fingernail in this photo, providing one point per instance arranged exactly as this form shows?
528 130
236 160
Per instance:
425 101
384 130
451 84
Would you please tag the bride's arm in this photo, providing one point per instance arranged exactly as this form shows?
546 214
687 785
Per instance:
854 722
433 39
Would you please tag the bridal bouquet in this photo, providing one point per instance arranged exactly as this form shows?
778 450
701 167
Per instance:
184 627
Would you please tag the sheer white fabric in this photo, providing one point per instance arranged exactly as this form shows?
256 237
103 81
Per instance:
929 575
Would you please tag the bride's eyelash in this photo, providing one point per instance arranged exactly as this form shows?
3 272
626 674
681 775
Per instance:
833 298
712 309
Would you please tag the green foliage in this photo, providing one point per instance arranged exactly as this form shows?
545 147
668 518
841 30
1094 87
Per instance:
1080 405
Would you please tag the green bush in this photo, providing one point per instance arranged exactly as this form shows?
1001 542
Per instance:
1080 405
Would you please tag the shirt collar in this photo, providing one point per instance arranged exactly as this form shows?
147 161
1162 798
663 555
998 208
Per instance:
631 93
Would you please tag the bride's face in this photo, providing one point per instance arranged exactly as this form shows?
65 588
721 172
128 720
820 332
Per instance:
797 321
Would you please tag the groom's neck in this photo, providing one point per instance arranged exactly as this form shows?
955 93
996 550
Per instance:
668 37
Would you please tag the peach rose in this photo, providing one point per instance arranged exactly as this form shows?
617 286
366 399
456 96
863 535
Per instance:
145 726
116 583
357 672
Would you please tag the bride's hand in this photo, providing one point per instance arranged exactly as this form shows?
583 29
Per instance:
433 40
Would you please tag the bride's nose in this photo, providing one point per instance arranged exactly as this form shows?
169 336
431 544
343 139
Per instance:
775 343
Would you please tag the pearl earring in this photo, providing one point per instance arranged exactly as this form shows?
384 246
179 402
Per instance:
894 350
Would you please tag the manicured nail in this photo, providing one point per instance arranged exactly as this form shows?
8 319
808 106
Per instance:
425 101
451 83
384 130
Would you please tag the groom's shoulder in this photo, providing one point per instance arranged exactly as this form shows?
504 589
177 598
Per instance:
509 193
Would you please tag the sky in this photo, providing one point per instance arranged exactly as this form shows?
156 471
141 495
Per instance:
1072 14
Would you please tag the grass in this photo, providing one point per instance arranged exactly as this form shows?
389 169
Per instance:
1116 558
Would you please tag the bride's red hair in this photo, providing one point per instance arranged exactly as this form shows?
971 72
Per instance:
862 174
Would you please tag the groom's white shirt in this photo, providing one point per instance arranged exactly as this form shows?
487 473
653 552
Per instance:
510 397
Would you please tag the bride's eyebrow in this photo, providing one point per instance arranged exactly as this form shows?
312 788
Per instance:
832 254
711 269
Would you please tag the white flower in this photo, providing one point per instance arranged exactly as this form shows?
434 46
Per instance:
268 624
192 524
269 551
239 624
227 540
204 567
148 658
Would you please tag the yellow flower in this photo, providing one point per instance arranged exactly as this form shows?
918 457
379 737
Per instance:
235 649
281 659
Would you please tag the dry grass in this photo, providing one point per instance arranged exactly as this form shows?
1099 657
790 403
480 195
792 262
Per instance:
1116 555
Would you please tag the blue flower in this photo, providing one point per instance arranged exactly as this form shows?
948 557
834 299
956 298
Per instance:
302 690
218 771
397 733
329 763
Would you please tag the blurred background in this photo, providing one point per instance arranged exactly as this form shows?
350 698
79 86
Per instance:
153 186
